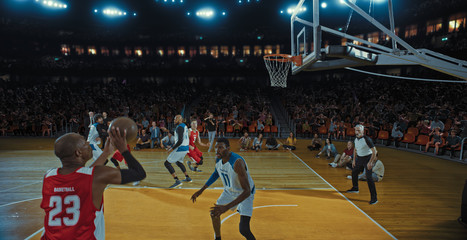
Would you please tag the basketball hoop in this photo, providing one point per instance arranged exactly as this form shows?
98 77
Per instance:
278 66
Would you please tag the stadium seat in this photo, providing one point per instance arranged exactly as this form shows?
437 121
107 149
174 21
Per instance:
383 135
200 128
274 129
422 140
350 132
323 131
413 131
252 129
267 129
229 129
408 138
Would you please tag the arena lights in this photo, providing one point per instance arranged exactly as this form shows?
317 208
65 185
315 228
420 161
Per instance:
52 4
291 9
205 13
113 12
324 5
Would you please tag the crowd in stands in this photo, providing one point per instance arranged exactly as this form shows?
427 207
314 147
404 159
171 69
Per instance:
333 106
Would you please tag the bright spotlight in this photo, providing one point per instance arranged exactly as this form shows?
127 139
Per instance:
282 11
324 5
188 13
300 10
342 1
223 13
205 13
134 14
95 10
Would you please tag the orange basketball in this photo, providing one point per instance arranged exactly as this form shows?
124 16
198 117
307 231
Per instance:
125 123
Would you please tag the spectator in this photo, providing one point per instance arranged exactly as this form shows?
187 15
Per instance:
260 127
272 144
316 143
436 123
423 127
377 175
257 143
221 126
332 130
435 140
290 142
168 141
396 134
306 129
329 149
155 134
144 141
452 142
244 142
211 127
341 130
343 159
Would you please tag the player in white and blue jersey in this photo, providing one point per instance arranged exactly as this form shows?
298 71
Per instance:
180 149
93 137
239 189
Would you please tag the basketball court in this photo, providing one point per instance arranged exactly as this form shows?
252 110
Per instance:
293 201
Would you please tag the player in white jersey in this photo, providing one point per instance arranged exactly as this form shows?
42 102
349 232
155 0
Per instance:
93 137
239 189
180 149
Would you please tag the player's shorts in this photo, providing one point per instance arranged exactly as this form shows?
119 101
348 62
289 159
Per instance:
195 155
245 208
96 151
175 156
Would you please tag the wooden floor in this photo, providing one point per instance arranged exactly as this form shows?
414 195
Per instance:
420 195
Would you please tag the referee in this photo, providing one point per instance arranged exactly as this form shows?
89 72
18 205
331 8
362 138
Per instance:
364 157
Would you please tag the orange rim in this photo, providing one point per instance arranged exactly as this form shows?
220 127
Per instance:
285 58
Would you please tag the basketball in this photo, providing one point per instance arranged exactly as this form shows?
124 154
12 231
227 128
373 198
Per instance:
125 123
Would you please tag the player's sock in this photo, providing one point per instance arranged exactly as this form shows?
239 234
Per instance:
218 238
176 178
196 168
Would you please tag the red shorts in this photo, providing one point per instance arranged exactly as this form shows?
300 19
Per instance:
195 154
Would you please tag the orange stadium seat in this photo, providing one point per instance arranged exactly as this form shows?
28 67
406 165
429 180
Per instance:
274 129
350 132
413 131
408 138
200 128
383 135
229 129
422 140
322 130
251 128
267 129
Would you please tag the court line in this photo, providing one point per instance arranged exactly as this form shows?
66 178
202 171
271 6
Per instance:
225 219
384 229
215 188
32 235
27 200
20 186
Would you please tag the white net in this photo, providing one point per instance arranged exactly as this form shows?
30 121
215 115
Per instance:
278 67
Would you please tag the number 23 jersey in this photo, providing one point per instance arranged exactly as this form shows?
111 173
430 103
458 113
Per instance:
69 209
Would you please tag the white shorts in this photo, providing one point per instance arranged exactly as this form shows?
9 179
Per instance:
245 208
96 151
175 156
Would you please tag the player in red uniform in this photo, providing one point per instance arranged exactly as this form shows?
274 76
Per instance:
72 196
118 157
194 153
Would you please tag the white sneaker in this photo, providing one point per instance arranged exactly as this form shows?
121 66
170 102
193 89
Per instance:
136 183
349 177
333 165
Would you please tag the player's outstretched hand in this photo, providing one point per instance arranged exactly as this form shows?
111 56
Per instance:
195 195
117 139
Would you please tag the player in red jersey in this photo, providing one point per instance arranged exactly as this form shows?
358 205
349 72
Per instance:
194 153
72 196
